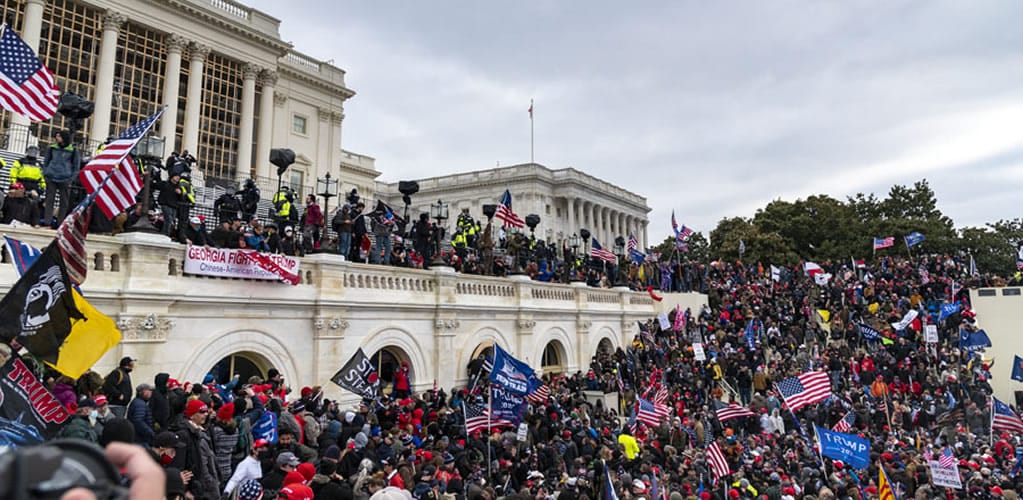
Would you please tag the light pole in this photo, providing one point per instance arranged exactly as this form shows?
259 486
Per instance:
327 188
150 151
620 253
439 213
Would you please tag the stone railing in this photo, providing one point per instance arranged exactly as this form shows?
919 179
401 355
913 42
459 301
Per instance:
151 265
324 70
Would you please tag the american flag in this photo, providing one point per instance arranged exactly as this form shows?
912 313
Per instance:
476 417
947 459
540 395
632 244
1004 418
805 389
845 425
717 461
651 414
71 242
661 396
26 86
119 193
504 211
115 152
880 243
730 411
601 253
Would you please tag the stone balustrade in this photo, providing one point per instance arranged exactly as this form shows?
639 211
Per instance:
436 320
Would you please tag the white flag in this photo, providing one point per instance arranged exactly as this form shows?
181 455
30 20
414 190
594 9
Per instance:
775 273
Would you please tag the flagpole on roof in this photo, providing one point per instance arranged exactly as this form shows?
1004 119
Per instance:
530 131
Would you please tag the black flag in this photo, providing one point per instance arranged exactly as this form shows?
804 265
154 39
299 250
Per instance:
30 414
359 376
38 309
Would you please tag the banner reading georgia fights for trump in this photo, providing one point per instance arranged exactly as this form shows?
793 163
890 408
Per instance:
237 263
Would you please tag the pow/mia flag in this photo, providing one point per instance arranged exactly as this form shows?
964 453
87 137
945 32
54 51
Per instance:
359 376
38 309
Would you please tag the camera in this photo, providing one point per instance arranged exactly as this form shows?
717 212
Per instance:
53 468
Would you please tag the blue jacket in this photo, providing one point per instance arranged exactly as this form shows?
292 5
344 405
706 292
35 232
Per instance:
141 418
62 164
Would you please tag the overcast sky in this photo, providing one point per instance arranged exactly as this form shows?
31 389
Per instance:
708 108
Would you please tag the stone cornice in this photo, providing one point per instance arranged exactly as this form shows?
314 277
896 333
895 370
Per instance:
346 93
189 9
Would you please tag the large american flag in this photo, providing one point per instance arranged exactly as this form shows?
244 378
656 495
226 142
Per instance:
651 414
114 153
601 253
880 243
845 425
805 389
1005 419
731 411
718 463
504 211
112 177
26 86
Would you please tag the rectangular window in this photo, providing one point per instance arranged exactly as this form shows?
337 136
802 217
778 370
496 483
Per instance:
298 124
296 181
1010 292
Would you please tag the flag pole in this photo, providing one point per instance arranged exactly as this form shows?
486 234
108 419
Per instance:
530 131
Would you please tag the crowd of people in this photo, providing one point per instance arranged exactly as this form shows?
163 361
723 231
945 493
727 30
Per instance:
911 399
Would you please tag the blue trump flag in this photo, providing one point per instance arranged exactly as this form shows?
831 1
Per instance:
948 310
512 374
848 448
974 341
913 239
1017 368
867 332
266 427
505 405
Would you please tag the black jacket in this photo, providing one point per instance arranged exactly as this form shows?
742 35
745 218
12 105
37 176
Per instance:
117 387
158 402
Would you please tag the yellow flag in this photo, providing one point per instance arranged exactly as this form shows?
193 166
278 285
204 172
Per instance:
89 340
873 307
823 318
884 487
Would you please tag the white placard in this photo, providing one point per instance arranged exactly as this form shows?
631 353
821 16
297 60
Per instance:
698 351
523 429
945 476
931 334
663 320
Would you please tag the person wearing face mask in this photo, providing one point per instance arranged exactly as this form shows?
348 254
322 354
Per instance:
165 448
79 426
249 468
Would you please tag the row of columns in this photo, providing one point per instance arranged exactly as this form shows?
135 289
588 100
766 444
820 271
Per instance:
177 47
112 23
605 223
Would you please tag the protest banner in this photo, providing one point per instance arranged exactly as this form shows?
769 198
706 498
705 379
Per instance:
848 448
236 263
945 476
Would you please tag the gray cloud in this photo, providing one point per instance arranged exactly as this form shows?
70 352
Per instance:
710 109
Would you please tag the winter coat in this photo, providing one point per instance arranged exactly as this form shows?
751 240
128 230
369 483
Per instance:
62 164
141 417
158 403
198 458
117 387
224 439
79 427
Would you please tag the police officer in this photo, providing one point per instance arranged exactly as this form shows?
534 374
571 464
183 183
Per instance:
186 198
283 208
29 173
460 242
227 206
250 199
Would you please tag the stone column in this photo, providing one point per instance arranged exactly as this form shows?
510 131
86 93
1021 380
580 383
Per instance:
620 222
323 144
197 54
268 79
595 221
629 228
30 31
571 227
112 22
644 227
243 169
604 229
171 88
336 120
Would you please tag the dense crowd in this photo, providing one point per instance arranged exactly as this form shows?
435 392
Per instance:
911 399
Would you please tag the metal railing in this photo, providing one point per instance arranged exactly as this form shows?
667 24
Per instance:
17 138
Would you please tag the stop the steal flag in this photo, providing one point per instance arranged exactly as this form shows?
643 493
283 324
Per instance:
359 376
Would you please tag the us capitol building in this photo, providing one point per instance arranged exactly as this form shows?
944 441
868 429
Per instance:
233 91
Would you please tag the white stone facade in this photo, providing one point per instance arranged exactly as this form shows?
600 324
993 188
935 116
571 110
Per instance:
436 321
565 199
291 85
